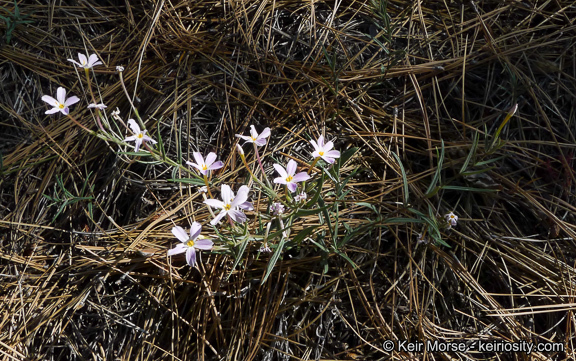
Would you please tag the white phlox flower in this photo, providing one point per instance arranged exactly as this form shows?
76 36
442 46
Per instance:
139 135
190 243
60 104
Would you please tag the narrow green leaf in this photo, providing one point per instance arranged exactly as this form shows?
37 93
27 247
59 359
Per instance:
345 256
238 257
469 189
137 154
274 259
309 212
472 152
404 179
400 220
314 198
479 164
194 181
303 234
368 205
437 175
160 142
480 171
321 247
346 155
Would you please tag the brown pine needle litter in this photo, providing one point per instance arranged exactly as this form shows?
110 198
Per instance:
421 88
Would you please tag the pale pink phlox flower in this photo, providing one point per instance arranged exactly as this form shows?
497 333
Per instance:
205 166
60 104
452 219
139 135
258 139
324 150
288 177
86 63
190 243
230 205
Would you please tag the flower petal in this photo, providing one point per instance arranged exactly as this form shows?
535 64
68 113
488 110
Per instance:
291 167
52 111
217 219
265 133
93 60
246 206
191 256
280 180
180 233
195 230
332 154
199 159
204 244
214 203
315 145
292 187
148 139
75 62
241 197
61 95
300 177
245 137
226 194
180 248
280 171
83 59
71 100
138 144
134 126
328 159
253 132
210 158
48 99
237 215
321 141
328 146
260 142
217 165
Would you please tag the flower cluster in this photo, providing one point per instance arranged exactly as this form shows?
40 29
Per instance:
62 104
231 206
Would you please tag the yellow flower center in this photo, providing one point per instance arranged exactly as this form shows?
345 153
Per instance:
60 105
289 179
254 139
140 135
190 243
321 153
204 167
227 207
